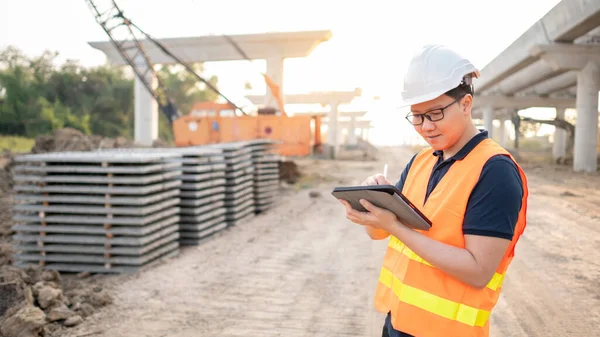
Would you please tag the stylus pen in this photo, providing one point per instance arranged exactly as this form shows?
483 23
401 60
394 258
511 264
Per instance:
385 171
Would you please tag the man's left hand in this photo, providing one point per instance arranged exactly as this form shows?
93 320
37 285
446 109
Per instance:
376 217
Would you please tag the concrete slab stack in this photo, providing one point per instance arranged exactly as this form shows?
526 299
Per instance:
202 193
102 212
202 205
266 173
239 186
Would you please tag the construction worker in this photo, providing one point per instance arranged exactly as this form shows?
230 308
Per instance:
446 281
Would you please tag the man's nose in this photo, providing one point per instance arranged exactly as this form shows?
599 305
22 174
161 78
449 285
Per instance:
427 125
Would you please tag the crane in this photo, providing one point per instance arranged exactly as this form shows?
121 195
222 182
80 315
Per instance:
112 20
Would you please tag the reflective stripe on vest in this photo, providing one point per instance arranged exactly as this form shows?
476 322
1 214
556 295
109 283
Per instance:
434 304
397 245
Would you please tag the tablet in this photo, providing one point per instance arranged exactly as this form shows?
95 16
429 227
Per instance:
384 196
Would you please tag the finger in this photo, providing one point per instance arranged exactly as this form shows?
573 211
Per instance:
349 210
380 179
370 207
357 220
354 219
371 181
346 205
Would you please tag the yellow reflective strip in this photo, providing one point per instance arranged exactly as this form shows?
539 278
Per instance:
496 281
386 277
399 246
432 303
396 244
402 248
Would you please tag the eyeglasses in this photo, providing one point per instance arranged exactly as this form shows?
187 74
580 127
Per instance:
431 115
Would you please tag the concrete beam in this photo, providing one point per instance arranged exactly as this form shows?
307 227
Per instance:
555 84
217 48
536 73
323 98
566 56
565 22
522 102
569 92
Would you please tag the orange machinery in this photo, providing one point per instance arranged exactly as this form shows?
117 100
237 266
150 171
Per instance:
211 123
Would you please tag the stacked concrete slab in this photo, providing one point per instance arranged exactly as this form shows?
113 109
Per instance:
202 197
202 193
97 212
266 173
239 186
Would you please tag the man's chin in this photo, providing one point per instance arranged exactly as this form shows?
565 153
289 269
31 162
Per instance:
436 145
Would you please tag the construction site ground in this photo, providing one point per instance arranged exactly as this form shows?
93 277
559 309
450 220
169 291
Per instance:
302 269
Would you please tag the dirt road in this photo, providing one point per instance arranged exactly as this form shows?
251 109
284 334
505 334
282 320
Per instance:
302 269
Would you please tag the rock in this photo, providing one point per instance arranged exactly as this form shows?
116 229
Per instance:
73 321
11 294
34 275
100 299
83 275
51 276
50 329
59 313
49 296
86 310
288 172
29 299
10 274
314 194
568 194
27 322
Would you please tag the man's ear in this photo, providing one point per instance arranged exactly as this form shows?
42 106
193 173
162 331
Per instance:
466 104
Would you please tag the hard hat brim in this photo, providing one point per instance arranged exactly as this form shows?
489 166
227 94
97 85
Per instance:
420 99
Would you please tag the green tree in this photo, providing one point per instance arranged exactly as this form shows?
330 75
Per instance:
37 97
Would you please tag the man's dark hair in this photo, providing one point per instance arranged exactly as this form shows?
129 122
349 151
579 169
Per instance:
465 87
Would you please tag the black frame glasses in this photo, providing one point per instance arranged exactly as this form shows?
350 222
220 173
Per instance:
431 115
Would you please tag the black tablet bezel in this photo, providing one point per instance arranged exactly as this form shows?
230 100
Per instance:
390 189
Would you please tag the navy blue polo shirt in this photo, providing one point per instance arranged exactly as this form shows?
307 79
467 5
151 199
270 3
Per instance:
495 202
494 205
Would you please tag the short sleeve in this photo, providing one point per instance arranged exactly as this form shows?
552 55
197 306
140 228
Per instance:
495 202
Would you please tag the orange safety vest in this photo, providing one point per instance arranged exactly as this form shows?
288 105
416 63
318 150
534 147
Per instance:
423 300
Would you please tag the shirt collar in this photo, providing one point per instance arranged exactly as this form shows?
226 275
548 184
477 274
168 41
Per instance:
460 155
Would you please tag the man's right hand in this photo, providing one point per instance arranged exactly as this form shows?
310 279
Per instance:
377 179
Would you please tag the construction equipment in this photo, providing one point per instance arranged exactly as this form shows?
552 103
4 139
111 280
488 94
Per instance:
296 135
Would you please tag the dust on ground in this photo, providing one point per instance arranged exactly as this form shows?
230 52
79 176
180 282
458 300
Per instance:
302 269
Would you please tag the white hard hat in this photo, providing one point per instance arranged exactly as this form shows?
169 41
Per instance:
434 70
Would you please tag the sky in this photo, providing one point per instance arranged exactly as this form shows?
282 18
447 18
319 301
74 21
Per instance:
370 48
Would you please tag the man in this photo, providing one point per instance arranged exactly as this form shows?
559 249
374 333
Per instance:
446 281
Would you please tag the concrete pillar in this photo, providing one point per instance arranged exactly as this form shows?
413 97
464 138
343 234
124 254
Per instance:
559 148
586 129
275 72
352 131
488 120
145 108
333 134
516 121
502 133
